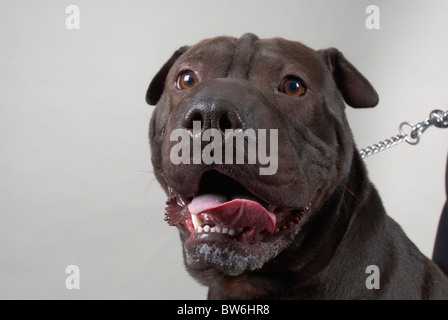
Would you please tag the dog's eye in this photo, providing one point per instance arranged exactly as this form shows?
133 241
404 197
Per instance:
292 86
187 80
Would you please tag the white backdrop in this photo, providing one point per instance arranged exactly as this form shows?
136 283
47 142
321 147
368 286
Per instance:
76 182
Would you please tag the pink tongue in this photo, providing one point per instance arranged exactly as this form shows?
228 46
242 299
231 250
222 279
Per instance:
235 213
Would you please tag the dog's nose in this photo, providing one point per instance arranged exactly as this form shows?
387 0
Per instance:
213 113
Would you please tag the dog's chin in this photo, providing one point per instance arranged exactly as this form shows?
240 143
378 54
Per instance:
226 228
233 255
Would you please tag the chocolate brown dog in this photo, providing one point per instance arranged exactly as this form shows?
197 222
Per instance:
316 228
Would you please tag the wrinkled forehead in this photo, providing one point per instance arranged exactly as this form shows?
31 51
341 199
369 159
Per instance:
215 51
280 51
291 57
242 55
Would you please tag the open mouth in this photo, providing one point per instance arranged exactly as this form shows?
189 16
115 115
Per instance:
225 207
226 226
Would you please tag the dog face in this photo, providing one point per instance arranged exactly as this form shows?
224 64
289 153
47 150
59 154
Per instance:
234 221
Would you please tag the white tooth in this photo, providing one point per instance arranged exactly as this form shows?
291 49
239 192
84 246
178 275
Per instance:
225 230
213 229
196 221
205 216
199 229
217 229
207 228
231 232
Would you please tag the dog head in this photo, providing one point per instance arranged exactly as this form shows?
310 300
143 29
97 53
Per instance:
234 219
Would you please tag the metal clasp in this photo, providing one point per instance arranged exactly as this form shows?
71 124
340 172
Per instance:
414 136
439 118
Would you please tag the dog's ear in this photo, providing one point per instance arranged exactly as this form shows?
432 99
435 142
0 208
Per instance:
356 90
157 84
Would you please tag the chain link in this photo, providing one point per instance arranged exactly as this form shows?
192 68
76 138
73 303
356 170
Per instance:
437 118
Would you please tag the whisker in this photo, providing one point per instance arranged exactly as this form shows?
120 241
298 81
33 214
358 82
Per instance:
149 184
351 192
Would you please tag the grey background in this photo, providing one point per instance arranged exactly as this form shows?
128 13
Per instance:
76 182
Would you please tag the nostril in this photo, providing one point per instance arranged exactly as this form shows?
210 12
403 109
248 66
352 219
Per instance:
213 113
191 118
197 117
224 123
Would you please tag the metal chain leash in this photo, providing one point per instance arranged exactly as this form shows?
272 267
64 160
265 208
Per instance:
437 118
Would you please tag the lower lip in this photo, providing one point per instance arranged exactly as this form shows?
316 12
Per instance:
197 237
248 237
